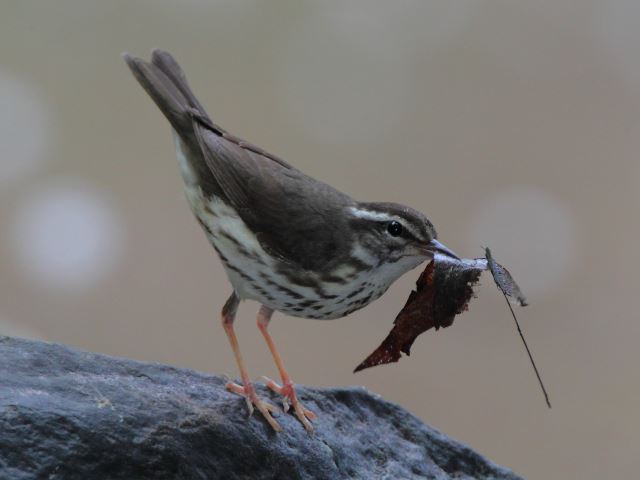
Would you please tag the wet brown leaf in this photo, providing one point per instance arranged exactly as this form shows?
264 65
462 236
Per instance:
442 292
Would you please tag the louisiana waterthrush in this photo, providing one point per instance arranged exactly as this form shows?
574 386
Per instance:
288 241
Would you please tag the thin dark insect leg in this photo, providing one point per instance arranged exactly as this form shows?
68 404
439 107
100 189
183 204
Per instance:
535 369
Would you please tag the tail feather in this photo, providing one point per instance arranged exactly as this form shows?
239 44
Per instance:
167 87
168 65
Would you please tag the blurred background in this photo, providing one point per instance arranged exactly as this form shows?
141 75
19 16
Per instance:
513 125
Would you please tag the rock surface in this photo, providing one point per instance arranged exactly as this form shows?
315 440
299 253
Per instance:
68 414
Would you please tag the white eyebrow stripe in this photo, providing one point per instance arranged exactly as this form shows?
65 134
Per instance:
383 217
369 215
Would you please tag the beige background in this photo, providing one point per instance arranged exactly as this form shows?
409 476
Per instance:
511 124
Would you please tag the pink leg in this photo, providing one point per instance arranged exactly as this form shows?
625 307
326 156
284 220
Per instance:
286 390
246 389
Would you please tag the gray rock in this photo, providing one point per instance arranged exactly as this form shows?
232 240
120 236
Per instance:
68 414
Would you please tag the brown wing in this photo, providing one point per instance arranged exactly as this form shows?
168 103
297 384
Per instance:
296 217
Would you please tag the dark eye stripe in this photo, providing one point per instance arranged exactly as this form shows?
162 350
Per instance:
409 232
406 232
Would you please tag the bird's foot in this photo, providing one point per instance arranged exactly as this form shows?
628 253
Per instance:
249 394
291 400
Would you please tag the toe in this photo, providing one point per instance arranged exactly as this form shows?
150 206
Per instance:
309 414
270 407
235 388
252 400
271 384
289 399
301 413
265 409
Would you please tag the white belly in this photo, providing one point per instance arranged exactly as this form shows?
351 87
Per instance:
256 275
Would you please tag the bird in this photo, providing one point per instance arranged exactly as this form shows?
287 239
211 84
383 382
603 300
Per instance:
287 241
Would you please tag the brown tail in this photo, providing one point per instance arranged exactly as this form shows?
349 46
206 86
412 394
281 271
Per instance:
166 84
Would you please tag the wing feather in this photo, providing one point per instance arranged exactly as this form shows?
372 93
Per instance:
294 216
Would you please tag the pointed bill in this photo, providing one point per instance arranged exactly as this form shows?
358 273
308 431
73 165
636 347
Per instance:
437 247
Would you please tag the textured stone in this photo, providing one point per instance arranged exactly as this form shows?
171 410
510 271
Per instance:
68 414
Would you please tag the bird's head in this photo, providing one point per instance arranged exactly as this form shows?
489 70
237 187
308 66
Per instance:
394 237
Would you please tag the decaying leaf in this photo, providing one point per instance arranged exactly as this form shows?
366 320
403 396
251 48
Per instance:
443 291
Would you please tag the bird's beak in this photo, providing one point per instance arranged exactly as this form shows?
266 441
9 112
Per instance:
435 246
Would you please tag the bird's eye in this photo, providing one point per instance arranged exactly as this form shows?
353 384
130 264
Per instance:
394 228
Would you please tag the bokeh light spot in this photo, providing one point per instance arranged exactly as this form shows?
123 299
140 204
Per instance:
67 235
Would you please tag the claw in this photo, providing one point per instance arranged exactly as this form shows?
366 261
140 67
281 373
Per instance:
249 394
291 400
